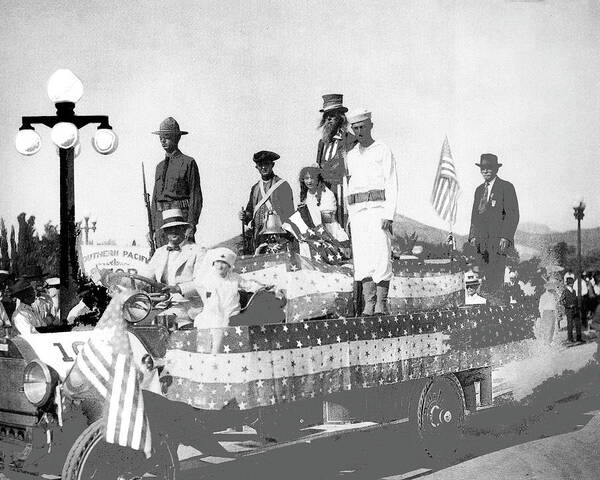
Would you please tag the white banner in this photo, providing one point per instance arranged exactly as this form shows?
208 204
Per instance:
112 257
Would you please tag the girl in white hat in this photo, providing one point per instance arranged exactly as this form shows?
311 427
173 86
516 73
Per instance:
219 289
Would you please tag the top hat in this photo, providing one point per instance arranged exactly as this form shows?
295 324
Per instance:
333 101
32 272
223 254
173 217
169 126
489 160
19 286
265 156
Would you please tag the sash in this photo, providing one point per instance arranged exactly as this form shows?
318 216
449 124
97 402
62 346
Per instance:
266 196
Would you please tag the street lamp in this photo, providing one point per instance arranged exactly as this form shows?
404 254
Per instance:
578 208
86 226
65 90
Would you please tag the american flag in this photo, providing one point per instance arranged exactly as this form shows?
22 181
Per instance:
446 188
279 363
105 363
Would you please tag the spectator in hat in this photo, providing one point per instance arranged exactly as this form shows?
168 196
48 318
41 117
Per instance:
53 289
568 300
548 308
494 220
25 319
335 143
176 182
371 196
86 311
175 265
269 194
472 283
43 304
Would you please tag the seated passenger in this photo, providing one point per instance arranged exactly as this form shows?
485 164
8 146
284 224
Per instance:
25 318
219 289
320 201
176 264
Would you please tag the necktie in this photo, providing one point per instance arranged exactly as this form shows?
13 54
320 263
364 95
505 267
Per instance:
483 202
164 172
175 248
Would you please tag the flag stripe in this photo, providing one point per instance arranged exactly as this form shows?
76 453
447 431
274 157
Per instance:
446 189
115 399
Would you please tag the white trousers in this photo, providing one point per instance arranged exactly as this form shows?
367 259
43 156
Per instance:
371 246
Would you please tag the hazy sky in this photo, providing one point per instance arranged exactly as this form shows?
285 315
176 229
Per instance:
519 79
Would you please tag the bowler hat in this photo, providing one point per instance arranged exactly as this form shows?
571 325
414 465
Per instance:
19 286
265 156
169 126
32 272
489 160
333 101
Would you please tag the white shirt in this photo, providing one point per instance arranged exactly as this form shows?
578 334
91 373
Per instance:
25 319
80 309
373 168
170 272
491 185
328 204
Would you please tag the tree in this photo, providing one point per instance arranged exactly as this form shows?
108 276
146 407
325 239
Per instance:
4 255
561 252
13 250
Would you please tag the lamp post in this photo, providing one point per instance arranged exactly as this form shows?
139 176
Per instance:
86 226
65 90
578 208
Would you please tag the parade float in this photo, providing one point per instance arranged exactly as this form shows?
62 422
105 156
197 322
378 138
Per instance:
279 368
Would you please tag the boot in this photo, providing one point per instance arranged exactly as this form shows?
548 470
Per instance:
369 295
381 307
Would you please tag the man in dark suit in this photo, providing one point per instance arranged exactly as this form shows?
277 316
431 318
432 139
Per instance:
494 220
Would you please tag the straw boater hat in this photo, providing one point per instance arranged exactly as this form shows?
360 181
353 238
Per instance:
172 218
53 282
169 126
222 254
359 115
333 101
489 160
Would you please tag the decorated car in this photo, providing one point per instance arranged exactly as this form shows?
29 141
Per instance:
85 404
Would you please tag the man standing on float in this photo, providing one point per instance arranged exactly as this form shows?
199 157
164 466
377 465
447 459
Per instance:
371 196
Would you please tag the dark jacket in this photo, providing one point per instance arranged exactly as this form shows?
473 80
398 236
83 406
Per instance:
281 199
501 216
568 300
177 178
334 169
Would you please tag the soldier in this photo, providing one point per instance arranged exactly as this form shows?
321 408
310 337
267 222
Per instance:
269 194
371 196
176 182
334 144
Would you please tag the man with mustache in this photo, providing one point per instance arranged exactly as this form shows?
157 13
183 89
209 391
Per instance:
494 221
334 144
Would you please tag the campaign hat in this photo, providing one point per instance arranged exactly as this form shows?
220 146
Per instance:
488 160
265 156
333 101
169 126
173 217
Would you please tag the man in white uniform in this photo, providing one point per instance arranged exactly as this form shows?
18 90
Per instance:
176 264
25 318
371 195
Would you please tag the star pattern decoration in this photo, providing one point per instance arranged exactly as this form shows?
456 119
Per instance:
277 363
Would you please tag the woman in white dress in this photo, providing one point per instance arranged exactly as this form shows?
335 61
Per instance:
320 202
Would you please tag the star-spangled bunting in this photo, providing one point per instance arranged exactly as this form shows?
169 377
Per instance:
265 365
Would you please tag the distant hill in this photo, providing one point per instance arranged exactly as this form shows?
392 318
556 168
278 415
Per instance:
530 240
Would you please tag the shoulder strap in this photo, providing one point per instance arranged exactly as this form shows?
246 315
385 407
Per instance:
266 196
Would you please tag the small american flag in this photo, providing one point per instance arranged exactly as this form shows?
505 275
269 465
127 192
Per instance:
446 189
106 362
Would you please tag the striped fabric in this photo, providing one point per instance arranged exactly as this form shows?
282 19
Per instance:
446 188
105 363
279 363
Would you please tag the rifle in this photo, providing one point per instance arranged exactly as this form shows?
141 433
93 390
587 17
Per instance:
149 212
